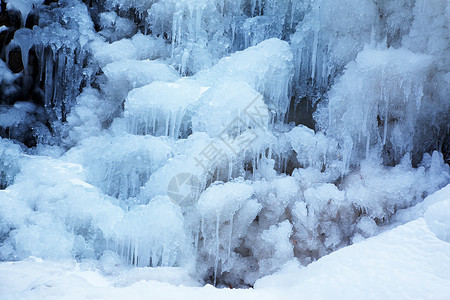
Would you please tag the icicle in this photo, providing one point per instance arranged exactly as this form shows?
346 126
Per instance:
198 21
230 237
166 128
184 61
385 121
368 144
233 31
314 55
24 38
197 237
216 260
174 31
254 162
23 6
202 229
48 91
253 7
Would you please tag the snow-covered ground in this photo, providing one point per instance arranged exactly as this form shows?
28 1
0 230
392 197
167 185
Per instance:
411 261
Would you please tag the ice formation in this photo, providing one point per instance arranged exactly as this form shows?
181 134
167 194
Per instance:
168 133
160 108
389 86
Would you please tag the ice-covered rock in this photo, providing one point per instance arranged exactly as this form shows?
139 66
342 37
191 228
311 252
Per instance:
267 67
153 235
226 211
376 104
313 149
125 75
10 155
116 28
230 108
161 108
120 165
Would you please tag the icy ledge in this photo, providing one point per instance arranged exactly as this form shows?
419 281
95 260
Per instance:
411 261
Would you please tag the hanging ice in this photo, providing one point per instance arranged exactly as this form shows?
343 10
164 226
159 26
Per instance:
159 108
121 165
153 235
24 38
376 102
267 67
24 6
226 212
330 36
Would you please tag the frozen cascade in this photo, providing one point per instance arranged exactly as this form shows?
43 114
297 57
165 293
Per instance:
60 51
321 42
120 165
267 67
235 208
164 136
159 108
153 235
383 91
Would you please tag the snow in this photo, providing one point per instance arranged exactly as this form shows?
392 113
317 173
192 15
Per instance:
408 261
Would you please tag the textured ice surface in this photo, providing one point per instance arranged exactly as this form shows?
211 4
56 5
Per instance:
125 75
230 108
267 67
121 165
376 103
161 108
406 261
214 174
138 47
